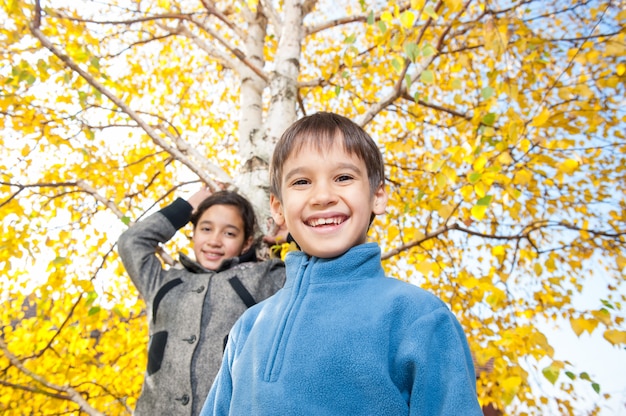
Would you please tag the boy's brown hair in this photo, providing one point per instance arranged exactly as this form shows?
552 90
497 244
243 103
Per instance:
321 130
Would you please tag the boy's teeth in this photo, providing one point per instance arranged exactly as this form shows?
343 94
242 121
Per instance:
324 221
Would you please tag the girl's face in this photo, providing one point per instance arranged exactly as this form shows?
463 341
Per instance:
219 235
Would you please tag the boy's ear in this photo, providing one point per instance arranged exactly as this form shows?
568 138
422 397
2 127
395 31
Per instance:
380 200
276 208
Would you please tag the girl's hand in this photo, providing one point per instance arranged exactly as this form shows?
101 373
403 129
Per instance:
277 234
195 199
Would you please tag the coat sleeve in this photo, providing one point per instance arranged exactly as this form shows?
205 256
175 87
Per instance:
218 401
441 372
138 244
274 278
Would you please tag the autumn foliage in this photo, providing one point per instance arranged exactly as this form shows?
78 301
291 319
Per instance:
502 124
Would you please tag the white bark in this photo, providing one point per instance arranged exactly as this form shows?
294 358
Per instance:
283 80
256 144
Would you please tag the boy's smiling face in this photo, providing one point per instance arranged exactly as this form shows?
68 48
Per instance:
326 200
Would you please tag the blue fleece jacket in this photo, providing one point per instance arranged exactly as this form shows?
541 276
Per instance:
340 338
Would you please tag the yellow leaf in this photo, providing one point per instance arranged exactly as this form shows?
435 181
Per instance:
498 252
603 316
480 189
551 373
386 17
77 52
541 119
425 267
434 204
442 180
621 261
165 4
467 192
470 283
454 5
489 33
286 248
445 210
496 298
480 163
621 69
505 158
615 337
478 211
525 145
252 4
430 12
510 386
584 90
407 19
538 339
569 166
579 325
450 174
522 177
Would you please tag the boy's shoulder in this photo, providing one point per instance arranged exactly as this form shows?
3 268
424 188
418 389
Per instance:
404 291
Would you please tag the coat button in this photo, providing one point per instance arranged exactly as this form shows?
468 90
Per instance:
184 399
199 290
191 339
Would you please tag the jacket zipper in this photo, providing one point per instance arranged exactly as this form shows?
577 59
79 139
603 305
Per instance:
297 294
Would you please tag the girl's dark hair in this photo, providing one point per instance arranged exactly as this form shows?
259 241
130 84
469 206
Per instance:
233 199
322 130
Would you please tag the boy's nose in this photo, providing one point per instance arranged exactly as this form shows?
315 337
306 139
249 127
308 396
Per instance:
323 195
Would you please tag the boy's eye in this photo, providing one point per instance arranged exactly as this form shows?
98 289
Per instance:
300 182
342 178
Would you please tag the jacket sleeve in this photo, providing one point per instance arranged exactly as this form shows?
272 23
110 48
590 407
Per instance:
442 380
138 244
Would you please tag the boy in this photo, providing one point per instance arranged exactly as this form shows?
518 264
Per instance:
191 309
340 338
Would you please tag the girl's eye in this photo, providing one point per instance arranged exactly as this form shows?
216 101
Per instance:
232 235
300 182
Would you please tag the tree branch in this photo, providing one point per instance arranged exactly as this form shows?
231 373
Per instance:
525 234
231 48
310 30
175 152
35 390
167 258
72 395
272 15
400 87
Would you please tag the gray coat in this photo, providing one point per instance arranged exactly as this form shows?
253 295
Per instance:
190 311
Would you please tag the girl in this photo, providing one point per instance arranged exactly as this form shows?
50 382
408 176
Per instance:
192 307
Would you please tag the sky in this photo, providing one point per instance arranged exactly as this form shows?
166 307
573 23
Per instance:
606 364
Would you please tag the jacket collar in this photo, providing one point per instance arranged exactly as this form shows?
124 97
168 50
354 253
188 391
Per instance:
360 262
